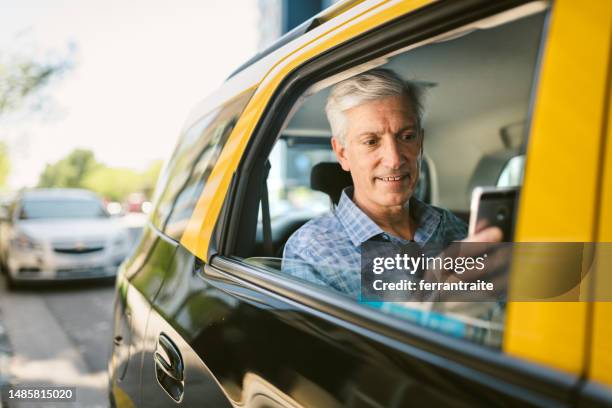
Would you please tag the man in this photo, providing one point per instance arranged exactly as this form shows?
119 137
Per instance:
375 118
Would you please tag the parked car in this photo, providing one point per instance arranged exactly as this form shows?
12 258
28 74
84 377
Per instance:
60 234
517 94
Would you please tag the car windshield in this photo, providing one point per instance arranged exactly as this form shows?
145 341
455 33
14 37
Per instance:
73 208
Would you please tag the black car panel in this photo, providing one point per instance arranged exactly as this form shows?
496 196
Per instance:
138 282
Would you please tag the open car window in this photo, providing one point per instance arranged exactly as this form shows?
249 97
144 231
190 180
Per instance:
476 89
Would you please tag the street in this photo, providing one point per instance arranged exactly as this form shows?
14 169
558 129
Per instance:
59 336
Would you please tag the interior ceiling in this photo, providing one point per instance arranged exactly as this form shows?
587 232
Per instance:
483 84
486 66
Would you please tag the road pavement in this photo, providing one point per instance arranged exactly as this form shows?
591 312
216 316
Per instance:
58 336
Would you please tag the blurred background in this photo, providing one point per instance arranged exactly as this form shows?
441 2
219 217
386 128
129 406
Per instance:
92 97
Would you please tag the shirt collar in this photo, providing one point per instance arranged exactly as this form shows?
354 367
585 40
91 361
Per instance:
361 228
428 220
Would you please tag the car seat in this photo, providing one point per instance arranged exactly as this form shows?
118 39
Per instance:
331 179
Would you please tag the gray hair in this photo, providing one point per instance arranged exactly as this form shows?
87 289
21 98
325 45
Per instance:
369 86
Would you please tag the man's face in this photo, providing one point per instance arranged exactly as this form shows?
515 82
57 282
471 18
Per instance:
382 146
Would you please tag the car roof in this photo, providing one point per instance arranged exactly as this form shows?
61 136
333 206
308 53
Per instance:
58 194
313 22
285 39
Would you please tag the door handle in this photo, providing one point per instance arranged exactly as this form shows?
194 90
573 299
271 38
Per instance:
169 367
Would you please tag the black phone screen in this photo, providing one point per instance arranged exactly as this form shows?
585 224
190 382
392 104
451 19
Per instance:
493 206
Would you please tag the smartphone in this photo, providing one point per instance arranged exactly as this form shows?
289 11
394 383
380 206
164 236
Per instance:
493 206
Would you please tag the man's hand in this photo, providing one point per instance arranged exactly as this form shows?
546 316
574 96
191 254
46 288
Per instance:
490 234
498 258
483 243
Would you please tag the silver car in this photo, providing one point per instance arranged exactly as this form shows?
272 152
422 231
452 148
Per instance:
59 234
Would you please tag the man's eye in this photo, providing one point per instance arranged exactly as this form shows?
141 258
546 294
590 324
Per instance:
408 136
370 142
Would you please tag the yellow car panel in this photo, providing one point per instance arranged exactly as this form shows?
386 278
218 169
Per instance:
600 368
558 199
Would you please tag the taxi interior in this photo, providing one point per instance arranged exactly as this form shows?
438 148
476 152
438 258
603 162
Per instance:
475 122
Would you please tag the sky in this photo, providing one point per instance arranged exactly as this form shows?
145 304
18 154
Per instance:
140 66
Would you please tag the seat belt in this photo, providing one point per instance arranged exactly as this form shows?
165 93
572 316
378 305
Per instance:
265 213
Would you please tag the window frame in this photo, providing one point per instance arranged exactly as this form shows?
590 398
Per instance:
537 384
425 23
211 119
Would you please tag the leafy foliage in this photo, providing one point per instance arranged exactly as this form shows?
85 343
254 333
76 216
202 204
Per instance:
113 183
21 77
80 169
70 171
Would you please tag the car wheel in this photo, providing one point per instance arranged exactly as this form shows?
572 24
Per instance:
3 267
10 282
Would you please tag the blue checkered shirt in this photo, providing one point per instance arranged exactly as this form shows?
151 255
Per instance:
327 250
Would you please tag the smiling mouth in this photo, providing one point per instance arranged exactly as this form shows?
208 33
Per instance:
393 178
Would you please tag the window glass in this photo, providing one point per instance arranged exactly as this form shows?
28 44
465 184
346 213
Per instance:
184 177
292 200
512 173
76 208
289 179
475 90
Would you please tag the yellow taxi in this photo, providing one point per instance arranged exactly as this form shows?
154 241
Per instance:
517 93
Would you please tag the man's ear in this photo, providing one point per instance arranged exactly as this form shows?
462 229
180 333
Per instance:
340 153
422 141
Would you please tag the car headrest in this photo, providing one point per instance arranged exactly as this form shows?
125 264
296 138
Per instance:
329 178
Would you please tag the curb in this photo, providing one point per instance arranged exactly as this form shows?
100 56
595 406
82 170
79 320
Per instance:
5 356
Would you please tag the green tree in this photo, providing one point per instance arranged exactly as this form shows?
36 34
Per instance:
70 171
150 176
80 169
5 164
21 77
117 183
113 183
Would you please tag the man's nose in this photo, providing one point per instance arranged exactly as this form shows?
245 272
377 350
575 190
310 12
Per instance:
392 155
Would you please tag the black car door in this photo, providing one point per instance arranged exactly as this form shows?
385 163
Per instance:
227 334
186 312
138 282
